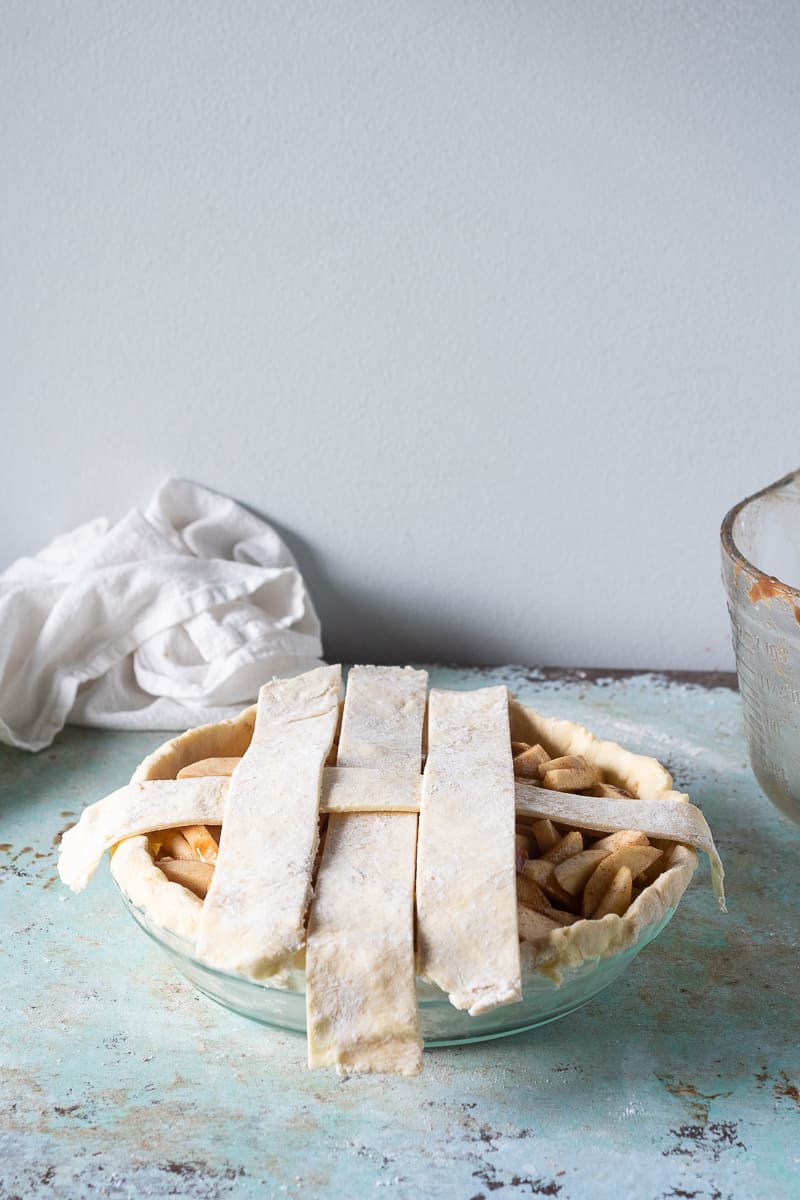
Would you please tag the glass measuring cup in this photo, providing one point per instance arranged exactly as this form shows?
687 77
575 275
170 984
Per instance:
760 549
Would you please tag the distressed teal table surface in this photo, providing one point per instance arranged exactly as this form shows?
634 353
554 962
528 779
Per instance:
681 1080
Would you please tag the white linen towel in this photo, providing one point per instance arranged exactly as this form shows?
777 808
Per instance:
169 618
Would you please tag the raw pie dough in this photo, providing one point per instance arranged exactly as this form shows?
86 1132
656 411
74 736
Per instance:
468 938
361 999
253 919
374 849
138 808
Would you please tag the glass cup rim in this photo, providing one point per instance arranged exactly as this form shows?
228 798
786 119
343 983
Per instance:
732 551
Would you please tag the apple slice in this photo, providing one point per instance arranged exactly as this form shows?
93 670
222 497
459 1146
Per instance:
574 872
635 858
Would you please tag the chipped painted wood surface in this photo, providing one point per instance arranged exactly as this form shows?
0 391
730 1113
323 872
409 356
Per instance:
116 1079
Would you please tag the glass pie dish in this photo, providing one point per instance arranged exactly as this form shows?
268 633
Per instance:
440 1024
564 965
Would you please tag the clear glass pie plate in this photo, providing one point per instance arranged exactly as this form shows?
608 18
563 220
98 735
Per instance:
440 1023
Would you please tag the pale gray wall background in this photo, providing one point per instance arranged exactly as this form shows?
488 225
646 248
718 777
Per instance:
493 307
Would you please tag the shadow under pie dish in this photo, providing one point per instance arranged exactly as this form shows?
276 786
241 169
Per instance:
577 881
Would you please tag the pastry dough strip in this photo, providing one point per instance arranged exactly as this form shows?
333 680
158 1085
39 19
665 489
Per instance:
361 1001
467 934
254 914
135 809
675 820
168 803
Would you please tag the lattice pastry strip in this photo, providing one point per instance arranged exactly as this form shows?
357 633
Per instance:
468 940
361 1001
253 919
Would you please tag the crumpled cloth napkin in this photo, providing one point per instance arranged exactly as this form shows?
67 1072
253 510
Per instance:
169 618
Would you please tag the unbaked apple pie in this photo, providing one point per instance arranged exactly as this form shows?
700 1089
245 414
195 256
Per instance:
457 836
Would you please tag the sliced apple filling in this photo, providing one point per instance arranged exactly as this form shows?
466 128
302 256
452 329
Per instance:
565 874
